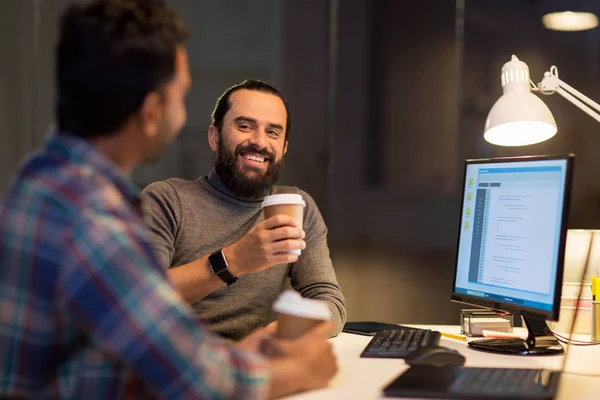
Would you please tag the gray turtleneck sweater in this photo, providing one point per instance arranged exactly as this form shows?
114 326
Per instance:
191 219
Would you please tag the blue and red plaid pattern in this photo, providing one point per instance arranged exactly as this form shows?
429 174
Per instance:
86 311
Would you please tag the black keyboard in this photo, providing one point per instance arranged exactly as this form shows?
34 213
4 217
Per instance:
397 343
499 380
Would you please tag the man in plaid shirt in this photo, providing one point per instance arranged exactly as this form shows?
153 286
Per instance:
87 312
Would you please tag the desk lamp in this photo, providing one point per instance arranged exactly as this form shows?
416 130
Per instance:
519 117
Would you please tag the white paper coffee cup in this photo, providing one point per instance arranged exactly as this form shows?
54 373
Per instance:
287 204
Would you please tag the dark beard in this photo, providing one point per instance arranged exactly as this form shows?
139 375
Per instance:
241 185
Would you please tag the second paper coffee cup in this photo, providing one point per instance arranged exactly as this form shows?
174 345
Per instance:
297 315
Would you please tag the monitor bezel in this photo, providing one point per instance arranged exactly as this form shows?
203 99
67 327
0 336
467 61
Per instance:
553 314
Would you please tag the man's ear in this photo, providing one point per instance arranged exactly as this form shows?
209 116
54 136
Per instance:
213 138
150 114
285 147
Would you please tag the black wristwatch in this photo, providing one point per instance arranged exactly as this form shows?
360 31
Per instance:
218 265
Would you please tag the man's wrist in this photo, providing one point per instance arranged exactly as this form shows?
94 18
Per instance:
220 267
228 253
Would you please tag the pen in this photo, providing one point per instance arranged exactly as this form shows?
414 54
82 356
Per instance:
594 287
453 336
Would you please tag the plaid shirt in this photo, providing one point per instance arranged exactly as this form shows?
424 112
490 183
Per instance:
86 311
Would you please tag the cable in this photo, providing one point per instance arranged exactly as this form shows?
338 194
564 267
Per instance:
581 374
574 341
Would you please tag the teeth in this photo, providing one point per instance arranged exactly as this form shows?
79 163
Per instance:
254 157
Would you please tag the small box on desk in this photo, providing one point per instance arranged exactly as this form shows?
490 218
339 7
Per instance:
474 321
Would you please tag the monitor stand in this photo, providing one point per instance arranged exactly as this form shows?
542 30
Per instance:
540 341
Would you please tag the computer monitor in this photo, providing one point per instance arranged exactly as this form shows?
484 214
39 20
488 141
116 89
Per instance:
511 241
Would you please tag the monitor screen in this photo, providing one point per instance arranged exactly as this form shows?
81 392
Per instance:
512 234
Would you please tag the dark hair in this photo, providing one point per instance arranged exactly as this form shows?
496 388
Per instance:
223 104
110 55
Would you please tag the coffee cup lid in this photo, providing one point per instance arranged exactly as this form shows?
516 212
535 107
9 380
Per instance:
291 302
286 198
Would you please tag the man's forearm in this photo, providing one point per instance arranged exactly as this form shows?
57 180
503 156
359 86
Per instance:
334 300
194 280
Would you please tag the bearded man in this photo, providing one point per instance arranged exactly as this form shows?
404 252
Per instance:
225 259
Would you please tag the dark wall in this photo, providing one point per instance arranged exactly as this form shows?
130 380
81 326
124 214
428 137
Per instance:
404 159
388 98
26 71
305 83
395 182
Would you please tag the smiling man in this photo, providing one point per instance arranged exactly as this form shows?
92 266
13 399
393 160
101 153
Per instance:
223 256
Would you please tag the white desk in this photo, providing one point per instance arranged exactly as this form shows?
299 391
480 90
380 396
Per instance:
364 378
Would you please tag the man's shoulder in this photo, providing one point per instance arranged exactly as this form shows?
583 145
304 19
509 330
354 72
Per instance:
56 195
58 185
175 193
171 185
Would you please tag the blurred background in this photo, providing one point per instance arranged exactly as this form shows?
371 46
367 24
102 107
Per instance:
387 99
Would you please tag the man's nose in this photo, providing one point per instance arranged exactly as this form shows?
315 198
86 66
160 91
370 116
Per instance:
259 139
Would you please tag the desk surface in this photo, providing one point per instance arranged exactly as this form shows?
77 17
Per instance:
364 378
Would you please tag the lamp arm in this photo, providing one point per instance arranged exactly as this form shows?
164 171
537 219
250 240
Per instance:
580 104
579 95
552 84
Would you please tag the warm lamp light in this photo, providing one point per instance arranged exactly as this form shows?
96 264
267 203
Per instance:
570 21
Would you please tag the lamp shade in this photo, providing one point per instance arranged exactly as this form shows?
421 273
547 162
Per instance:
519 117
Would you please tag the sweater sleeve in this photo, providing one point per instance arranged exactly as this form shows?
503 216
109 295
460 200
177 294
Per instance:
163 212
313 274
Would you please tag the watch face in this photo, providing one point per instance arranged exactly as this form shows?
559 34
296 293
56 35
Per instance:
217 269
217 263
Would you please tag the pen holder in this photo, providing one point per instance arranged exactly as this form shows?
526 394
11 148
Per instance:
595 337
